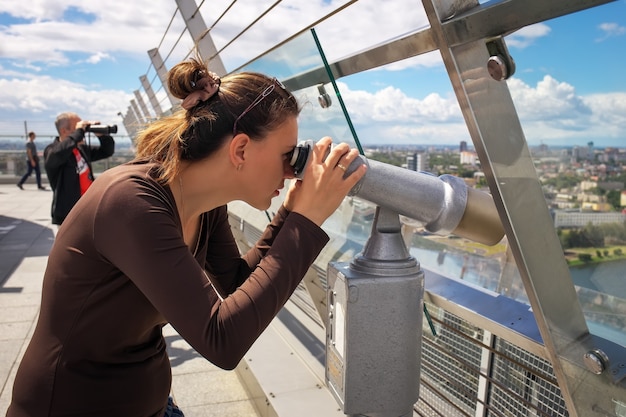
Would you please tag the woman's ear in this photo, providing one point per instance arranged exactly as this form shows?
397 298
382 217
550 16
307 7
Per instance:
238 149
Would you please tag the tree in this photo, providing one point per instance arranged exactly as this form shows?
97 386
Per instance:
613 198
594 235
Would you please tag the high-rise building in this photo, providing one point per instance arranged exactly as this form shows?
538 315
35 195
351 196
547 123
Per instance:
417 162
422 162
411 161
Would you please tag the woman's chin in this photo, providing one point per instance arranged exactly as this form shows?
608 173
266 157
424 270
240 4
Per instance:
261 205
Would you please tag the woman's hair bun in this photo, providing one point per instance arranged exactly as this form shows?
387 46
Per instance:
182 78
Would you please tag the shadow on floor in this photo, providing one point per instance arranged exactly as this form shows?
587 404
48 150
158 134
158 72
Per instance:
20 239
177 355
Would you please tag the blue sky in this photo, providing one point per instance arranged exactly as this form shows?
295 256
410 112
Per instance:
584 49
75 55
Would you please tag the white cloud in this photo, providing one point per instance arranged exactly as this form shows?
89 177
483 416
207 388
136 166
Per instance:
549 99
552 110
97 57
49 35
609 30
526 36
391 104
40 99
371 23
390 116
608 113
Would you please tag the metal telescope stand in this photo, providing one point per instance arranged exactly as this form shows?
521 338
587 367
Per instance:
374 332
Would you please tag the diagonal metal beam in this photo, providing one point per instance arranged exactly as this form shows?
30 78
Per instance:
499 140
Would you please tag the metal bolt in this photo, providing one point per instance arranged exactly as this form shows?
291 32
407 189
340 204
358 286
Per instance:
497 68
324 98
596 361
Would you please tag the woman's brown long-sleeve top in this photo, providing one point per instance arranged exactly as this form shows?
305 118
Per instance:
119 270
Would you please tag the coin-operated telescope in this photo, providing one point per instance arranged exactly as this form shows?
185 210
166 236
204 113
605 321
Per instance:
444 205
375 302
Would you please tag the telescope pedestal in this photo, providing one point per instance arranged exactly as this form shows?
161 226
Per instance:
374 332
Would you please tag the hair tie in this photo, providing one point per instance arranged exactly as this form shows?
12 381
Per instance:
206 88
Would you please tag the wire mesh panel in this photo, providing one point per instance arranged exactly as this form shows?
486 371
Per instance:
433 403
524 384
520 383
450 364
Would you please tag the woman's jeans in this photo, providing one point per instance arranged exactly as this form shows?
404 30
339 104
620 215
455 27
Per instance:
172 410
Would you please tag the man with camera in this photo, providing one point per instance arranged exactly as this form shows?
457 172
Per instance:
68 160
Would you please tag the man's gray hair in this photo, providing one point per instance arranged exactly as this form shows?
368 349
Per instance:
63 120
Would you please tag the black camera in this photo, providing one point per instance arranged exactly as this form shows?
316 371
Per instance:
300 158
102 129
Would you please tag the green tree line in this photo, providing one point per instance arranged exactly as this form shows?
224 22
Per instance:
593 236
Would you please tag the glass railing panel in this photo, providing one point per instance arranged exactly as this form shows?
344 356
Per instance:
418 125
395 123
569 107
402 134
399 131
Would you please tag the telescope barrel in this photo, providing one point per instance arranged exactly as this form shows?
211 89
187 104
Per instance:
444 204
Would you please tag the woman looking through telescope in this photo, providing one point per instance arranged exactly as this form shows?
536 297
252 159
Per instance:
151 244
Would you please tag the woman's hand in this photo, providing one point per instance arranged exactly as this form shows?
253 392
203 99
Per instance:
324 187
